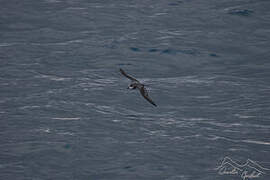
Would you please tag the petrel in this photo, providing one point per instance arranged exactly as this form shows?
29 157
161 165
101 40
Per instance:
136 84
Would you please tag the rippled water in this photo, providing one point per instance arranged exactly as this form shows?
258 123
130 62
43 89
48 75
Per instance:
66 112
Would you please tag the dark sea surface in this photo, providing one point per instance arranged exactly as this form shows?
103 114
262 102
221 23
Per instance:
66 112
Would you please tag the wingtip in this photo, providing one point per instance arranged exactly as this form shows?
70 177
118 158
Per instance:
121 70
154 104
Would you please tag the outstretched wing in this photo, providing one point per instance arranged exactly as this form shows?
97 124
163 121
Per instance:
144 93
129 77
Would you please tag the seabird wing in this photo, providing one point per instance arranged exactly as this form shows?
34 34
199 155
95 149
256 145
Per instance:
129 77
144 93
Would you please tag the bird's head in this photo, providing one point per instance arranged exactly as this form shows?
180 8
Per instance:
132 86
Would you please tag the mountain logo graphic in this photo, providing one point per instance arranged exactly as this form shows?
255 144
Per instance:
246 171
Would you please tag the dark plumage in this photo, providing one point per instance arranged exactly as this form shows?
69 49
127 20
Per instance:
136 84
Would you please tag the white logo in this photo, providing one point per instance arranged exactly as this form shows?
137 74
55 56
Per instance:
247 171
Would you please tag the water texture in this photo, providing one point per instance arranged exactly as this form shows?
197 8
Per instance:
66 112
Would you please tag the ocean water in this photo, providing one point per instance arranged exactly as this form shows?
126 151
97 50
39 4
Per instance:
66 112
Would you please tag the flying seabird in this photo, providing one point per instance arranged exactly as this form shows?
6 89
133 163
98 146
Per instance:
136 84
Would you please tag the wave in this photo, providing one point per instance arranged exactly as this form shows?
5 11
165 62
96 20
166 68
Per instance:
256 142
